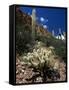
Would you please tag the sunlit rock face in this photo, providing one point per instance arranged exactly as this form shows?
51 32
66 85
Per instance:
62 37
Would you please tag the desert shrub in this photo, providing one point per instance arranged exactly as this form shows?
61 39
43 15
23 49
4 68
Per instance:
59 45
61 51
23 37
60 48
42 60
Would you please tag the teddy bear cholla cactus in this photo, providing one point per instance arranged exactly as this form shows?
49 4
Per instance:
40 56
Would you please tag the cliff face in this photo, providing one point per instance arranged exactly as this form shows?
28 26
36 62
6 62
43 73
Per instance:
22 18
25 19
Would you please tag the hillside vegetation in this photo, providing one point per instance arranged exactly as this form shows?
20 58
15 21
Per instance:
40 60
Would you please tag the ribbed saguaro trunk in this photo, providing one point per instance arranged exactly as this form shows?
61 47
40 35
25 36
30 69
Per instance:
33 24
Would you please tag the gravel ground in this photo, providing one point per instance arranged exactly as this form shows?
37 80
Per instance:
23 73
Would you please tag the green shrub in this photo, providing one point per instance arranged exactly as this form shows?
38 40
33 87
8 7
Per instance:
23 37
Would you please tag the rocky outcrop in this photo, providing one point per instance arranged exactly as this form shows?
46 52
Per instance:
40 65
24 19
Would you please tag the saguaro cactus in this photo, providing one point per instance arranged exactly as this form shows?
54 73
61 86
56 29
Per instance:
33 23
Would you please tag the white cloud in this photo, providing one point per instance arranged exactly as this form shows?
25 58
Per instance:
42 19
45 26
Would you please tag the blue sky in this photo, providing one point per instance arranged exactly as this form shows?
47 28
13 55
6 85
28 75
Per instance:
51 18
